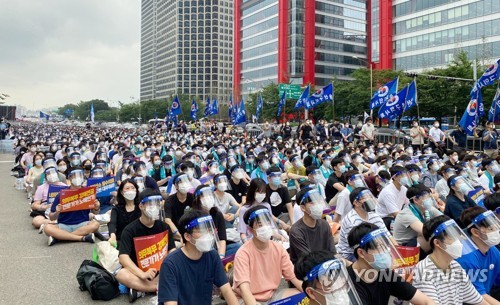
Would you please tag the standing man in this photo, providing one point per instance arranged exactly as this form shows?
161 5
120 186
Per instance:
417 135
458 137
305 133
436 138
490 136
368 132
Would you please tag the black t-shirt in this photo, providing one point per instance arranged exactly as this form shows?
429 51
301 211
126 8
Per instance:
138 229
238 190
330 191
174 209
219 222
120 218
379 292
279 208
306 131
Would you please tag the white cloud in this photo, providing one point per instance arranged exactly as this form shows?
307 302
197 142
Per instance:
58 51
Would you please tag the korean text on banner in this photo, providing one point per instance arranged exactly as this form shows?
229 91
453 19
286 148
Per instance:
298 299
104 185
151 250
53 191
411 256
76 200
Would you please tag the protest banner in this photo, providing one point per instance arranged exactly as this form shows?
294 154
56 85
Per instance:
76 200
151 250
477 195
104 185
53 191
411 256
298 299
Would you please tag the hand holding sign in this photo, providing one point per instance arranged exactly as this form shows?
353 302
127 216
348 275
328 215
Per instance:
76 200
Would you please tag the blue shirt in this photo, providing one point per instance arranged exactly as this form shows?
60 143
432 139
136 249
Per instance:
188 281
258 173
476 261
70 218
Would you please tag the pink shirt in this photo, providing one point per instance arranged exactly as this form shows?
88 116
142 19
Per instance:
42 191
27 158
262 269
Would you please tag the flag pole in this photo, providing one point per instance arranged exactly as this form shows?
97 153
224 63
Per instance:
418 111
333 104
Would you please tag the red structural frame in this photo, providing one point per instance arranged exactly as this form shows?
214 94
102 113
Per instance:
236 49
309 41
283 75
385 61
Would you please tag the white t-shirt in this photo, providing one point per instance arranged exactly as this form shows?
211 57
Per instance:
344 205
436 133
442 188
391 200
224 202
368 130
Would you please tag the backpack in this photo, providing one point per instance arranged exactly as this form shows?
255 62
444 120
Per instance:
101 284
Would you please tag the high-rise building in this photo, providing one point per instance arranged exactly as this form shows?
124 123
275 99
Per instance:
414 35
186 48
300 41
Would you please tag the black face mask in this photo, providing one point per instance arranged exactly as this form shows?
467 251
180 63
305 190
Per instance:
88 167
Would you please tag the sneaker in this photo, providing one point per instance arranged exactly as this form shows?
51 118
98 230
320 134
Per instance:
89 238
133 295
52 241
40 231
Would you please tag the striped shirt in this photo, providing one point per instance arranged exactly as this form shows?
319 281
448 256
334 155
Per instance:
349 221
451 288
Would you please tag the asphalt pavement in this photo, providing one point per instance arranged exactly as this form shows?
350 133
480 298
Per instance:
30 271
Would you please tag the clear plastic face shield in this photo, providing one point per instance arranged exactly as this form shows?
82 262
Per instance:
415 176
238 173
274 178
462 185
314 203
367 200
97 173
357 181
183 183
222 183
101 164
450 172
403 178
49 163
203 234
261 221
331 284
51 175
152 206
425 200
75 160
452 239
318 177
207 199
142 171
489 228
379 251
213 168
76 177
140 183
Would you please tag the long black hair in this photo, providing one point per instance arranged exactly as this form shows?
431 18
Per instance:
119 196
197 202
256 185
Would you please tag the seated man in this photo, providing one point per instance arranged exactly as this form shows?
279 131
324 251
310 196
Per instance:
372 273
135 278
448 242
176 204
260 264
483 228
187 275
277 195
311 232
326 281
74 225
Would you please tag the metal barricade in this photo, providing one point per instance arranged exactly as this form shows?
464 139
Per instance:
7 146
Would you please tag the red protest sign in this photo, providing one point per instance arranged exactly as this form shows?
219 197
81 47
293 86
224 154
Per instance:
151 250
411 256
76 200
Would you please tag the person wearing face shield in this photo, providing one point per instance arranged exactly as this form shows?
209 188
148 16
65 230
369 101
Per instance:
224 201
40 179
40 206
372 274
483 227
149 223
73 225
311 232
392 198
442 188
431 176
491 168
213 169
260 171
238 186
278 196
139 168
448 242
325 279
181 271
409 222
458 199
363 210
344 205
157 170
295 173
260 264
177 203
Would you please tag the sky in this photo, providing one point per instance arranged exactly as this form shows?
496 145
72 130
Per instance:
55 52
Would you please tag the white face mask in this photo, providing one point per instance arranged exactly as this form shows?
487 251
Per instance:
493 238
129 195
454 249
208 202
183 188
340 297
222 186
52 178
264 233
238 175
204 243
77 181
153 212
260 197
316 211
62 168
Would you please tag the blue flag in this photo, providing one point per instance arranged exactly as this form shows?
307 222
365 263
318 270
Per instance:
214 108
234 113
489 77
303 99
241 116
68 112
230 109
494 113
282 103
411 96
259 107
472 113
208 108
43 115
323 95
395 106
194 110
175 109
384 93
91 112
